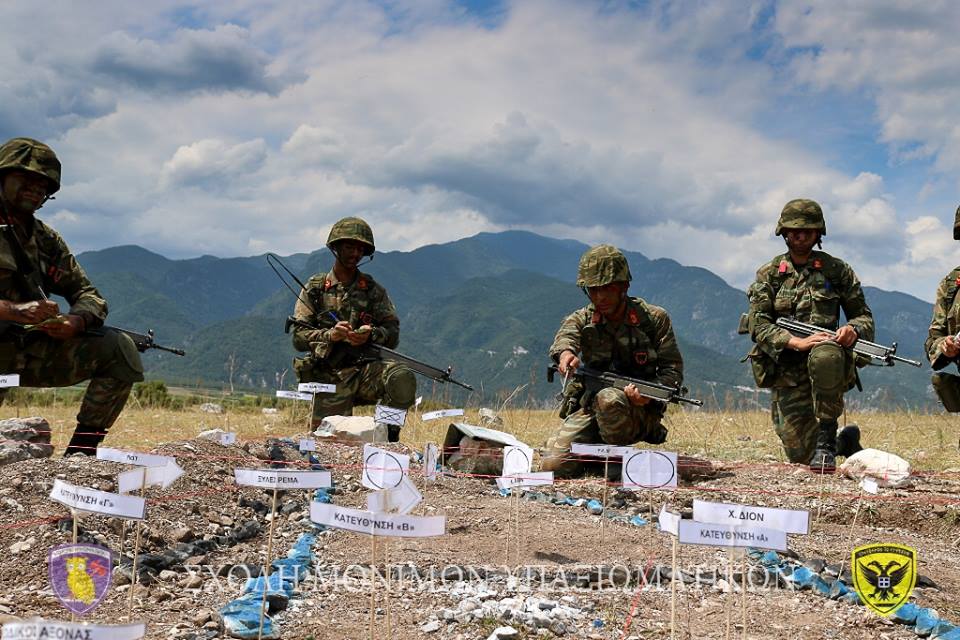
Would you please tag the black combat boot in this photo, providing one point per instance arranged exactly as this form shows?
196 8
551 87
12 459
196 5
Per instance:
393 433
824 458
85 440
848 441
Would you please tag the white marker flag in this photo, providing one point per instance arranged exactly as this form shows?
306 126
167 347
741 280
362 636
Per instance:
786 520
529 479
418 401
294 395
307 444
669 521
142 477
600 450
133 457
282 479
37 628
9 380
649 469
870 485
430 461
442 413
400 500
228 438
102 502
516 460
316 387
718 535
383 469
378 524
388 415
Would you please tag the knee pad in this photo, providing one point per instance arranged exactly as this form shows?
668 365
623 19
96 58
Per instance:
609 398
827 366
125 363
399 387
947 387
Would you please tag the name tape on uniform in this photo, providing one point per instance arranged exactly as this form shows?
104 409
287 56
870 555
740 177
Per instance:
9 380
430 461
600 450
719 535
294 395
279 479
870 485
102 502
786 520
377 524
517 460
133 457
308 444
529 479
37 629
669 521
316 387
400 500
649 469
389 415
442 413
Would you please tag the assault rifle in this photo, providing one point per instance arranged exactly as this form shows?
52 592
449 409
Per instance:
882 353
374 352
143 341
595 380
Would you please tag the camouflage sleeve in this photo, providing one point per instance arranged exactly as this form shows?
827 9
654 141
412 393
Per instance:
854 304
71 282
314 340
568 335
938 326
386 331
669 360
769 338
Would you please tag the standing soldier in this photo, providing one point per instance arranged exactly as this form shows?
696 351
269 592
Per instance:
808 376
942 346
349 310
35 262
614 333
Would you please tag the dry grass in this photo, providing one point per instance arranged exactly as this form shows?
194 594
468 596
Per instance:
928 441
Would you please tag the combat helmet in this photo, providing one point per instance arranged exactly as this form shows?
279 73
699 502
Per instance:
602 265
801 214
352 229
27 154
956 225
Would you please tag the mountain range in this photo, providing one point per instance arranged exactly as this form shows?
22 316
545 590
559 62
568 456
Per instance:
488 305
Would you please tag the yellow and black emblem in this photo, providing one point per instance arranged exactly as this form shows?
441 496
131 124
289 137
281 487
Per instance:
884 575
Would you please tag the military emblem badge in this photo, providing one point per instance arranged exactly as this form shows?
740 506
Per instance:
80 575
884 575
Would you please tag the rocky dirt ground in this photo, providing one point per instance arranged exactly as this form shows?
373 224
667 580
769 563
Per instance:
510 552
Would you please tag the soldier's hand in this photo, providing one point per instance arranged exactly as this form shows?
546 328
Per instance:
339 331
69 327
846 336
360 336
34 311
568 363
633 395
950 347
805 344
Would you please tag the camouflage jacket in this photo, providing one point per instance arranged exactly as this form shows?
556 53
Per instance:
642 346
58 272
946 319
361 302
815 293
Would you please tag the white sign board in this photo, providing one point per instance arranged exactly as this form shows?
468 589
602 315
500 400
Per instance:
9 380
133 457
377 524
37 629
442 413
102 502
307 444
529 479
400 500
600 450
430 461
669 521
719 535
294 395
516 460
228 438
649 469
870 485
143 477
383 469
316 387
282 479
786 520
389 415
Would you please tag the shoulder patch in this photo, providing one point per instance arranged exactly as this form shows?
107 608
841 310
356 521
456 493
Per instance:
632 317
362 283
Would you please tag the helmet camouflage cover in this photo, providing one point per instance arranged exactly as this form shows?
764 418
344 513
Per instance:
27 154
352 229
602 265
956 225
801 214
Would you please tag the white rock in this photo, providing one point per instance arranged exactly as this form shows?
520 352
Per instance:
888 469
468 605
503 633
431 627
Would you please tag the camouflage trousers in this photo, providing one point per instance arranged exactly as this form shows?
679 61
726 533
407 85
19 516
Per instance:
110 362
387 383
610 419
796 412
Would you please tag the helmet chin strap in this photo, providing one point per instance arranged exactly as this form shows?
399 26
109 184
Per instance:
360 262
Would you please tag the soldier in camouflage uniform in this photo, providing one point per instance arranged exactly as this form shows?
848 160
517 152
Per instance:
808 376
941 345
619 334
35 262
349 310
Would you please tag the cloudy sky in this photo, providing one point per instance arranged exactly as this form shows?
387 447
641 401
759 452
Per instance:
678 129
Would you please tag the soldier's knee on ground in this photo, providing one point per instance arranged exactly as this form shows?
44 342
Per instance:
947 387
399 387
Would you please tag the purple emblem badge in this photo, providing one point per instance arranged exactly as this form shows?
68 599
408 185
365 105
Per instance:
80 575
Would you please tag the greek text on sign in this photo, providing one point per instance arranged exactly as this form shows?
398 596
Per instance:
143 477
36 629
383 469
377 524
430 461
294 395
719 535
600 450
133 457
316 387
443 413
516 460
400 500
669 521
786 520
9 380
649 469
102 502
308 444
389 415
529 479
281 479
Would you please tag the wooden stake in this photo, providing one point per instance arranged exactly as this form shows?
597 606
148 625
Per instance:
73 516
373 584
743 588
850 534
136 551
269 563
673 590
729 595
606 469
